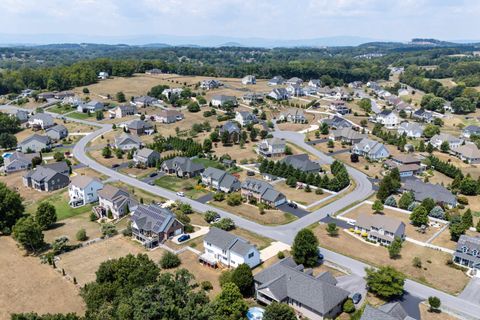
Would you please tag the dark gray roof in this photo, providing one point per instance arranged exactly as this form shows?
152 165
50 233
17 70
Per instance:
60 167
301 162
43 139
224 178
272 195
422 191
139 124
228 241
48 171
230 127
184 164
256 185
153 218
337 122
285 280
127 138
58 128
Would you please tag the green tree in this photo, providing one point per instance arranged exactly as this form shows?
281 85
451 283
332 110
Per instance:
332 229
11 208
81 235
106 152
7 140
434 303
385 282
279 311
99 115
394 248
207 145
305 248
229 304
120 96
242 276
58 156
430 130
28 233
445 147
169 260
377 206
419 216
46 215
457 228
108 230
348 306
467 219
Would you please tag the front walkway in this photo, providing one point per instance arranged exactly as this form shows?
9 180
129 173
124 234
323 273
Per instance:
272 250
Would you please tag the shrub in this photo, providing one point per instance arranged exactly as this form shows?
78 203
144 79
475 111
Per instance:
348 306
169 260
390 201
280 255
234 199
210 216
81 235
206 285
319 191
93 216
108 230
417 262
462 200
226 224
437 212
219 196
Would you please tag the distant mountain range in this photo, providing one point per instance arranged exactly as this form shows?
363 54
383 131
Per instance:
164 41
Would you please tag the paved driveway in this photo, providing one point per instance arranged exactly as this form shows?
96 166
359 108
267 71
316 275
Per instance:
298 212
205 198
472 291
339 222
317 141
353 284
149 179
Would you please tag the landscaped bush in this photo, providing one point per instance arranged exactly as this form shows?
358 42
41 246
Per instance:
206 285
226 224
81 235
234 199
210 216
108 230
169 260
390 201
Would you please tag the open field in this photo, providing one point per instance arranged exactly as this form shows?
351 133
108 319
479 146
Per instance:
444 240
372 169
299 195
434 272
70 226
426 315
251 212
189 186
410 230
29 286
60 201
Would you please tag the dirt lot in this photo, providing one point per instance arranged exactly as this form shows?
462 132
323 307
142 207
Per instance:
69 227
444 240
271 217
434 270
372 169
474 170
410 230
299 195
426 315
29 286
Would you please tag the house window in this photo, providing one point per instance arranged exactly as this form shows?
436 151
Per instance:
474 252
251 254
464 249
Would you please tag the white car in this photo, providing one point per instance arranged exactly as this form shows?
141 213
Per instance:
180 194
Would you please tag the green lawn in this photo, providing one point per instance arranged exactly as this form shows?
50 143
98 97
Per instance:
209 163
80 115
177 184
60 202
61 109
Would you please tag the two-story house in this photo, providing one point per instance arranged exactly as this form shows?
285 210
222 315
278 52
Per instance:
221 101
115 200
127 142
380 228
182 167
279 94
453 142
272 147
224 248
346 135
168 116
249 79
261 191
140 127
35 143
146 157
18 161
48 177
467 252
152 225
91 106
41 121
294 115
220 180
245 118
410 129
121 111
371 149
83 190
302 162
57 132
388 119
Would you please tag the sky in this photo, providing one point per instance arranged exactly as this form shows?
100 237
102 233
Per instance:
398 20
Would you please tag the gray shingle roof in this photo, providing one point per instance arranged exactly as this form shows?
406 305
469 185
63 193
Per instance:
367 221
287 280
228 241
301 162
184 164
422 191
153 218
83 181
36 137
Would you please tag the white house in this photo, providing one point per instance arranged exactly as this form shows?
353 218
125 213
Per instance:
249 80
295 115
453 142
222 247
222 100
41 121
410 129
295 90
388 119
371 149
114 199
272 147
83 190
315 83
172 92
127 142
103 75
279 94
245 118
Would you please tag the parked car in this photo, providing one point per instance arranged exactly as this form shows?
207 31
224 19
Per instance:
351 222
180 194
356 298
183 237
250 173
115 165
320 256
293 205
153 174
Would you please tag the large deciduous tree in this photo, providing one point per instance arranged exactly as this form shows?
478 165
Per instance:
305 248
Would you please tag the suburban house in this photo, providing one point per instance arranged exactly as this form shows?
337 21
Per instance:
467 252
18 161
471 130
230 127
127 142
245 118
294 80
146 157
168 116
249 80
370 149
408 166
468 152
339 106
316 83
223 100
123 110
301 162
423 115
275 81
45 95
220 180
272 147
153 72
41 121
35 143
262 192
226 249
183 167
172 92
422 191
403 106
388 311
103 75
380 228
74 101
346 135
140 127
113 199
209 84
279 94
48 177
295 90
410 129
314 297
253 97
388 119
152 225
438 139
294 115
83 190
91 106
145 101
57 132
63 94
337 122
21 115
